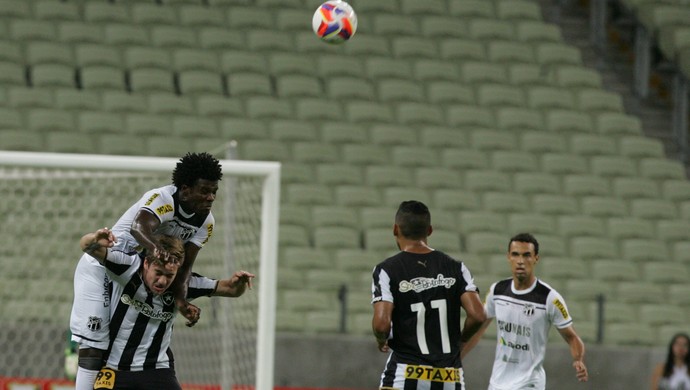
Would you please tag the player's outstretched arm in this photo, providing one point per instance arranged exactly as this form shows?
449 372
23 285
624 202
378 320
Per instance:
577 351
381 323
97 243
235 286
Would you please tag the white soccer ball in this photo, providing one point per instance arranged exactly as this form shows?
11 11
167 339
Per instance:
334 21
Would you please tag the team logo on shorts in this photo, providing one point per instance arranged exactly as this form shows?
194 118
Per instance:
94 323
528 310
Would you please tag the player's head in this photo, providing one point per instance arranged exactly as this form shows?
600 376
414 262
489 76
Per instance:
678 348
196 176
412 221
523 255
158 274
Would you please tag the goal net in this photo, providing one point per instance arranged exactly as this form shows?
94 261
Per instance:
48 201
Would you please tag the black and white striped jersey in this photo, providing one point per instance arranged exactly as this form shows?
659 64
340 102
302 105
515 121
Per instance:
523 319
141 322
425 290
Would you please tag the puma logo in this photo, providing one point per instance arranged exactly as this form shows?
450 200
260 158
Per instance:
422 263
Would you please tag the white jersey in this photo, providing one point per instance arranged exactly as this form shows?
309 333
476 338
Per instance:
141 322
163 203
523 319
678 380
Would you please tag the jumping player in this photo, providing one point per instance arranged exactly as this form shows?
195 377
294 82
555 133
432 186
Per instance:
417 296
181 210
525 308
143 310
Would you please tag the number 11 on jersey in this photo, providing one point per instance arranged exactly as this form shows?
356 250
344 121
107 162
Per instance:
440 305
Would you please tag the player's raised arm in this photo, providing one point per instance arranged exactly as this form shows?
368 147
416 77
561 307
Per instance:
97 243
143 227
234 286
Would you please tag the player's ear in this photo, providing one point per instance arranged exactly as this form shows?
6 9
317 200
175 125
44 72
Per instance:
396 230
429 230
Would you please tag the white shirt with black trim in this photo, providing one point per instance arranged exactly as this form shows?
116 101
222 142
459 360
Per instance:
523 319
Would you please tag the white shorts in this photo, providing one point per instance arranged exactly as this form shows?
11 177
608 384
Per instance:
90 317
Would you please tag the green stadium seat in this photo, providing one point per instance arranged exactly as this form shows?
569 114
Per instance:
481 221
568 121
337 174
193 126
486 29
331 65
679 294
576 77
452 199
446 93
198 16
585 185
303 258
474 72
195 59
562 269
151 80
414 47
675 190
613 166
442 137
49 53
543 142
445 241
97 12
518 118
509 51
364 45
249 84
653 209
56 11
462 49
603 206
365 112
269 150
243 129
592 247
322 109
21 140
22 97
499 95
139 57
248 18
102 77
141 124
126 35
431 7
80 32
543 97
376 217
536 183
471 9
654 15
618 123
459 115
640 292
365 154
635 187
112 144
218 38
549 53
616 270
293 130
264 107
486 180
586 290
673 38
400 91
50 120
388 175
630 334
47 75
69 142
293 235
393 196
214 105
616 312
75 99
172 37
464 158
505 202
324 281
627 227
441 27
664 272
390 135
393 25
293 19
379 239
595 99
334 216
149 14
314 152
644 250
100 122
336 237
639 146
12 74
327 321
419 114
527 74
580 226
531 222
13 9
304 300
593 144
661 169
435 177
169 103
485 243
296 215
673 230
195 82
537 31
296 173
89 54
166 146
350 87
289 278
518 10
11 52
309 194
32 31
551 245
513 161
365 7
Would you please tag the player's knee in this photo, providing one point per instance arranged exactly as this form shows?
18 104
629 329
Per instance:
91 358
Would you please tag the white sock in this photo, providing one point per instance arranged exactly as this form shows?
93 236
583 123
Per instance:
85 379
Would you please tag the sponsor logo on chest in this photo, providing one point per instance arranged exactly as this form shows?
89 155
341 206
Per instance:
420 284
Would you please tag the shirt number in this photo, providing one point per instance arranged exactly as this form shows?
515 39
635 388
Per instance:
440 305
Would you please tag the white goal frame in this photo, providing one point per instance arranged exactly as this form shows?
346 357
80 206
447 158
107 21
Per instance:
270 203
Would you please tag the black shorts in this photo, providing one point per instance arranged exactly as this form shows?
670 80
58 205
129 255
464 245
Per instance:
405 376
159 379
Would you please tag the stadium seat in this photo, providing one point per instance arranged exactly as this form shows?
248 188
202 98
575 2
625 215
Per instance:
462 49
293 235
513 161
166 146
126 35
80 32
112 144
603 206
364 154
292 130
379 68
560 269
567 121
12 9
459 115
474 72
452 199
592 247
420 114
653 209
549 53
584 185
592 144
486 29
195 82
349 87
172 37
445 240
661 169
518 118
638 146
679 294
543 97
618 123
400 91
464 158
101 77
664 272
509 51
69 142
32 31
322 216
214 105
615 270
56 11
413 156
264 107
392 25
414 47
586 290
269 40
640 292
486 180
218 38
330 65
336 237
505 202
537 31
50 120
47 75
445 93
630 334
314 152
12 74
481 221
325 281
542 142
664 314
169 103
75 99
376 217
595 99
100 122
296 173
10 119
325 110
485 243
499 95
562 164
249 84
151 80
675 190
141 124
443 137
635 187
38 53
522 74
199 16
21 140
270 150
22 97
388 175
153 14
572 76
536 183
673 230
434 177
392 196
303 301
337 174
626 227
298 86
89 54
192 126
120 101
97 12
195 59
580 226
644 250
379 239
367 112
531 222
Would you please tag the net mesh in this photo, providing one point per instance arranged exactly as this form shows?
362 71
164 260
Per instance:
44 212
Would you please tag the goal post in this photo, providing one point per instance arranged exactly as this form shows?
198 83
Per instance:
59 197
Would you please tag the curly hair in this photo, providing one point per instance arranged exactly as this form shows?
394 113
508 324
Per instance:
195 166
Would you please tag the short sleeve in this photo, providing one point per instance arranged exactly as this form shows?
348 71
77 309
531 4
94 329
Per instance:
204 233
489 307
160 203
558 311
468 279
121 266
200 286
381 286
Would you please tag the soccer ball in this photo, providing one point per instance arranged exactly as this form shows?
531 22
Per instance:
334 21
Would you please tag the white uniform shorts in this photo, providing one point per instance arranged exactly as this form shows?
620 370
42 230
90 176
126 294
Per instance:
90 317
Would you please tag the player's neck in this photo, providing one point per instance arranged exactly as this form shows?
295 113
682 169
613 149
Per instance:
414 246
525 283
